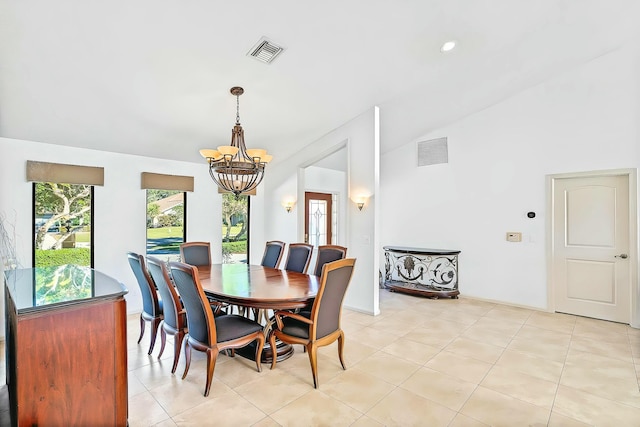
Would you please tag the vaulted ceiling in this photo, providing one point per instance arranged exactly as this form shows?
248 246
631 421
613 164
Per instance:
152 77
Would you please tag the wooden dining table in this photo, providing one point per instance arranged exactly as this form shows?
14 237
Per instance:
259 288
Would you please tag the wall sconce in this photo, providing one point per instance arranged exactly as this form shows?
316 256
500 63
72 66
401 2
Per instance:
360 202
288 205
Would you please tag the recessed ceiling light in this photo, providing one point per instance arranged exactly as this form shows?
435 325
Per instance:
448 46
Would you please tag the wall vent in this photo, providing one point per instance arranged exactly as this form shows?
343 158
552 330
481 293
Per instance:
265 50
433 152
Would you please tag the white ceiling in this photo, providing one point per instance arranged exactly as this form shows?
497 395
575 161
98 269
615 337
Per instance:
152 77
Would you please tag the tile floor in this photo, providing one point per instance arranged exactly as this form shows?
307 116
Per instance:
421 362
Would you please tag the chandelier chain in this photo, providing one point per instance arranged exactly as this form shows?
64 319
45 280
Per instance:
238 109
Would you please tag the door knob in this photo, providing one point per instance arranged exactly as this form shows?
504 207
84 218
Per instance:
623 256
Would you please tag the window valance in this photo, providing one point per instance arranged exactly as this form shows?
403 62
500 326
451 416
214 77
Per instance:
64 174
158 181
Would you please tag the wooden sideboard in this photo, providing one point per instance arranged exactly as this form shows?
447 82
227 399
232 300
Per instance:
425 272
66 347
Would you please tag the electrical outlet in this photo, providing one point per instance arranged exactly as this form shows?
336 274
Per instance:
514 236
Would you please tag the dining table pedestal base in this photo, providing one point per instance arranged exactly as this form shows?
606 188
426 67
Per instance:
283 352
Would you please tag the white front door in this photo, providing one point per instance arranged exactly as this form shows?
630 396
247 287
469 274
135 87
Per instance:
590 255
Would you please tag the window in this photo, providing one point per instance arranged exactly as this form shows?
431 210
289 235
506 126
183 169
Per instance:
235 229
62 219
166 230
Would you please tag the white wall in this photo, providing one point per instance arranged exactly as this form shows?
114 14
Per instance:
278 224
585 119
286 177
119 206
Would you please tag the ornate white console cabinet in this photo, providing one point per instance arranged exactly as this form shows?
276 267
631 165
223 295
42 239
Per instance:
425 272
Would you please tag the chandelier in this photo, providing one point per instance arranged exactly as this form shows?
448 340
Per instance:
234 168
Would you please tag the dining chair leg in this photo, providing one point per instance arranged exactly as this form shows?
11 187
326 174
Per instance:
341 349
154 333
212 355
177 346
259 347
313 360
142 324
272 343
187 359
163 341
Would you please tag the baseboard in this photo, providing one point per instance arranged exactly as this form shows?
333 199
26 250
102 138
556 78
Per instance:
506 303
360 310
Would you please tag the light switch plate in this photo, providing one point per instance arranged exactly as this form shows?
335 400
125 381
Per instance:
514 236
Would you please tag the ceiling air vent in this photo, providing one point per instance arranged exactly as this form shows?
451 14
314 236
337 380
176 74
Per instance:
265 50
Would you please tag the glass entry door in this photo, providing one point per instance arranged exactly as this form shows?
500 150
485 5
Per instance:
318 220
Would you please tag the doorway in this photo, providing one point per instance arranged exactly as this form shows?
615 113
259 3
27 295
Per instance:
323 185
592 237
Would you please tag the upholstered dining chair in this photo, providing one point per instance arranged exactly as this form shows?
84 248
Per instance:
151 303
320 326
298 257
199 254
196 253
272 253
328 253
207 333
175 318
